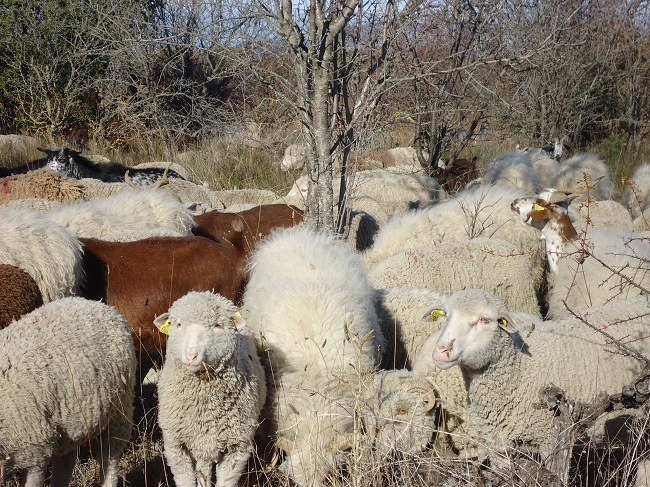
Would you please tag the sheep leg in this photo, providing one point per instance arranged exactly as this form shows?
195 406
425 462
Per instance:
230 468
62 467
204 473
182 465
34 477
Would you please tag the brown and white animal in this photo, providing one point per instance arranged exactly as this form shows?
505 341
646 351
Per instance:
588 269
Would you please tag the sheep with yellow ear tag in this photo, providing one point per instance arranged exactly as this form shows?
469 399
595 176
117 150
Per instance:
211 390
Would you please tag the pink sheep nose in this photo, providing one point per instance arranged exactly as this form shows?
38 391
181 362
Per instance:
442 351
191 355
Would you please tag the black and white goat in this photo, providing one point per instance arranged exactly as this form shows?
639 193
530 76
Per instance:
72 164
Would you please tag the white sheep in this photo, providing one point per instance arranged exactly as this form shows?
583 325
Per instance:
399 310
311 305
515 169
211 390
126 216
636 196
229 197
190 194
572 174
67 375
481 211
378 192
587 269
545 168
295 157
397 412
605 214
18 148
492 264
47 251
504 371
449 384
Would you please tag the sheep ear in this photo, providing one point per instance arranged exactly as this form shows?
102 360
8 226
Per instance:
507 324
162 323
433 315
237 321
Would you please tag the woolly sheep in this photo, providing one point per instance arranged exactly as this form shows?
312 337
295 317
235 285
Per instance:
492 264
41 183
295 157
311 305
515 169
47 251
67 376
606 214
236 196
191 194
636 196
643 221
39 205
17 148
545 168
571 177
399 310
19 294
211 390
397 412
587 269
387 192
482 211
126 216
504 372
449 384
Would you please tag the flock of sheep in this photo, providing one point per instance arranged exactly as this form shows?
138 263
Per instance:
436 318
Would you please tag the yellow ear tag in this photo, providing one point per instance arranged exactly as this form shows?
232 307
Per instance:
536 207
164 328
232 320
436 313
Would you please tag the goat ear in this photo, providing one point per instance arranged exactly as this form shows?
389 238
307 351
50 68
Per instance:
162 322
47 151
433 314
538 213
507 323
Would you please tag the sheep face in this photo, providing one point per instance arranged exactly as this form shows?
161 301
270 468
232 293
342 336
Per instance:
474 320
202 331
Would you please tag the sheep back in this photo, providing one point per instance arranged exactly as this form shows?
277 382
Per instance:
492 264
46 250
67 372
